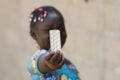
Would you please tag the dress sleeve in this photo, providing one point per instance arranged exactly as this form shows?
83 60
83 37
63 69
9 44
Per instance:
33 64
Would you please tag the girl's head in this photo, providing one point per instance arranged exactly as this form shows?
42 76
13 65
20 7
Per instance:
42 20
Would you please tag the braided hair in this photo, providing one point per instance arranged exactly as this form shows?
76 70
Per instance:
40 14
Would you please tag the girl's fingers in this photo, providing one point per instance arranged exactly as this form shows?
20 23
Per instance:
59 58
49 50
49 55
54 58
62 60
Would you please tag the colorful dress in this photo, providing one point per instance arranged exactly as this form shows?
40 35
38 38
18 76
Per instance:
67 72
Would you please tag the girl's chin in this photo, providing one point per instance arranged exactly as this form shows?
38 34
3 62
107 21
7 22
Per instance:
46 48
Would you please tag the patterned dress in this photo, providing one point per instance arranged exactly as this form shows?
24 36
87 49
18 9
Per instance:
67 72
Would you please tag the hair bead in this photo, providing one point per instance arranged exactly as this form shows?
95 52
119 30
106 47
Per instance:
41 16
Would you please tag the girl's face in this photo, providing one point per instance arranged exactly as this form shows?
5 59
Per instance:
42 33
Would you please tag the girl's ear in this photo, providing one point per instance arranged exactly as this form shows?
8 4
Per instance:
33 34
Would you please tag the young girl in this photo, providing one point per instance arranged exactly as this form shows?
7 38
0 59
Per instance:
47 64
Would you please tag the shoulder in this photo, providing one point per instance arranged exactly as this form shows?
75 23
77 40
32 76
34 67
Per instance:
68 62
33 62
71 66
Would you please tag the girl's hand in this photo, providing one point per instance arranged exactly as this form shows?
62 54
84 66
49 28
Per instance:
54 60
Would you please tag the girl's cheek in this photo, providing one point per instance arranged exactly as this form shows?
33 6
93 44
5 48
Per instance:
46 37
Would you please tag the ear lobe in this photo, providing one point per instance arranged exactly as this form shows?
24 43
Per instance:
32 34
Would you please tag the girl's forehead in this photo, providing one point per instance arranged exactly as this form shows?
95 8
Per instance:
51 23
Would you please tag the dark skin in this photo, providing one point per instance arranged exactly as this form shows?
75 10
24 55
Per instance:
52 60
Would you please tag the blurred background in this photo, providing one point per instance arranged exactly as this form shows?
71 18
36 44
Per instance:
93 42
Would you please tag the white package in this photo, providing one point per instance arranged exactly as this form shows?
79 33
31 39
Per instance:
55 41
